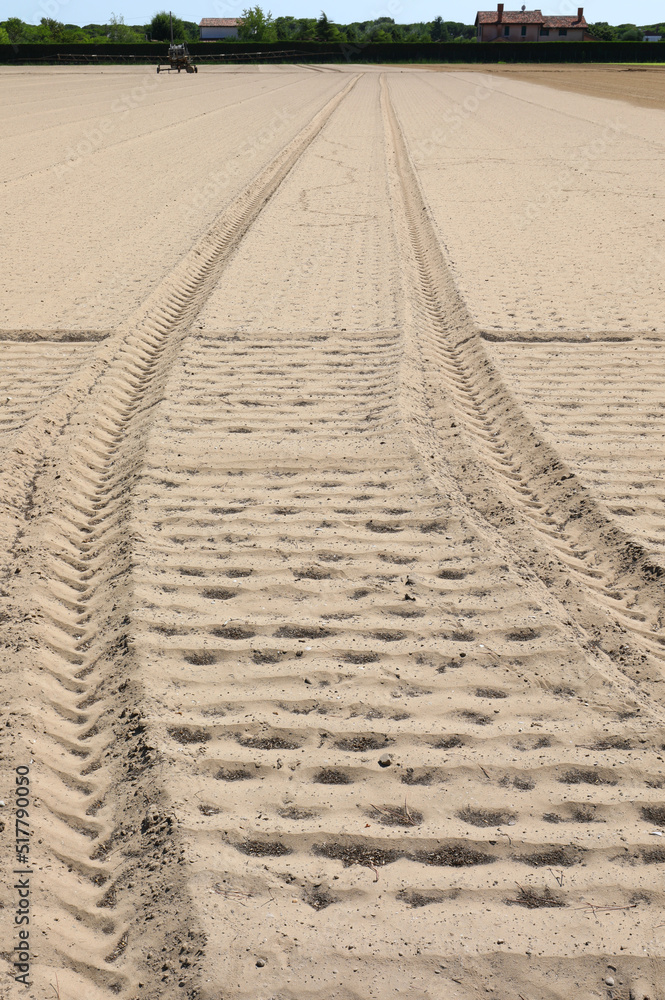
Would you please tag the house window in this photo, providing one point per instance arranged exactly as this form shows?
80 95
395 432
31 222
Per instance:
563 31
544 31
506 30
523 30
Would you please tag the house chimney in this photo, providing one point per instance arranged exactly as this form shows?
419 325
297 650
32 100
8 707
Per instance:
499 10
580 12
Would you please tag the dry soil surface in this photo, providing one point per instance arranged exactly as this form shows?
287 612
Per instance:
643 86
332 536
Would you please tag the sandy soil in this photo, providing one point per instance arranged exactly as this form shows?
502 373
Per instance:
331 537
643 86
515 175
119 175
604 418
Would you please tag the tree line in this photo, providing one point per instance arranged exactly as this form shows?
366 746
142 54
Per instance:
260 26
256 26
605 32
15 31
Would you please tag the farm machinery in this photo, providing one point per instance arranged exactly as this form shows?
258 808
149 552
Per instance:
178 57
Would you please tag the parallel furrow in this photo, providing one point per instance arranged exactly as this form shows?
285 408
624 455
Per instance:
364 710
605 420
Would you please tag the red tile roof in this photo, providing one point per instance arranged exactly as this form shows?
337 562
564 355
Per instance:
530 17
509 17
565 21
220 22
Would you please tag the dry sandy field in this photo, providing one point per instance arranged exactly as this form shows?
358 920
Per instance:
643 86
332 534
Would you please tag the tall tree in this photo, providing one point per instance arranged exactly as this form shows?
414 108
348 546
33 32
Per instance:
602 31
437 29
14 28
121 32
256 26
326 31
54 28
160 29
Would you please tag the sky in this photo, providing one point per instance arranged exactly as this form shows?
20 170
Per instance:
340 11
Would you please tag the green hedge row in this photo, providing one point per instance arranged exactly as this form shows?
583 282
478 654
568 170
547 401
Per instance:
444 52
51 50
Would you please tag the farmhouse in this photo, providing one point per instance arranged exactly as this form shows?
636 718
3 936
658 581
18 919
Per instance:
214 28
529 26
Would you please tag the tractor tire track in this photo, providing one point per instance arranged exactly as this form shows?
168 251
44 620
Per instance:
104 816
515 480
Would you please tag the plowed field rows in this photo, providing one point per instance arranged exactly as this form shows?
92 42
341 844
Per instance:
310 607
30 373
333 631
162 162
605 419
